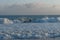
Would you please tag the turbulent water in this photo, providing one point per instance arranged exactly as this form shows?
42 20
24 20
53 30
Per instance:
39 28
14 31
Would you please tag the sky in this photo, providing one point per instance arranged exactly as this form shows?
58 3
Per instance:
29 7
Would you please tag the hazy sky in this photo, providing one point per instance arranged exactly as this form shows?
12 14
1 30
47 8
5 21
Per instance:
29 7
29 1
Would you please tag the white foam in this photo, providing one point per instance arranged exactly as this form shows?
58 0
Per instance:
7 21
45 18
58 18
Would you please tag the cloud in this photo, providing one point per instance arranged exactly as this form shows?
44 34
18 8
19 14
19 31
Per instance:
31 8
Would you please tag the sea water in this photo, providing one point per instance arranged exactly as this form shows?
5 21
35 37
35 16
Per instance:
41 27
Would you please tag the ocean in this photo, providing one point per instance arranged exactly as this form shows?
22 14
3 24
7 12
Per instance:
29 27
34 18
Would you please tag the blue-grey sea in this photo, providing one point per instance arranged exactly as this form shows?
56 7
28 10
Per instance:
29 27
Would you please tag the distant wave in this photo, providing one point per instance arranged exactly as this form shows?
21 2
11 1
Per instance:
30 20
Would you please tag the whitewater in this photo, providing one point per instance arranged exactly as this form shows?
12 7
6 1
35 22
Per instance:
30 31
